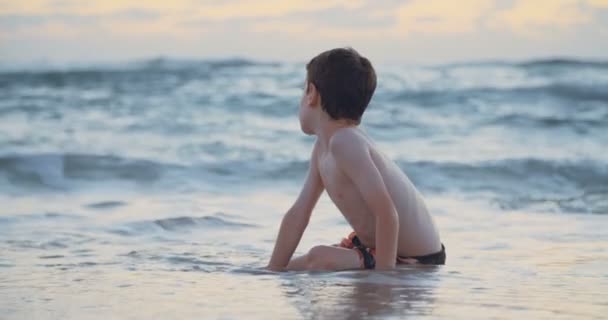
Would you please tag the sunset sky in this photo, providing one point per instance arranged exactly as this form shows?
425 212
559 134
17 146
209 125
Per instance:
425 31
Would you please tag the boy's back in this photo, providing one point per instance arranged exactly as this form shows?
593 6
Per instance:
417 232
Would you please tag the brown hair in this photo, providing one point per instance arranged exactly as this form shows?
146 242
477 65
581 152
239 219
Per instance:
345 80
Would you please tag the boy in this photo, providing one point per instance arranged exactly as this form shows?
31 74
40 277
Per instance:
390 220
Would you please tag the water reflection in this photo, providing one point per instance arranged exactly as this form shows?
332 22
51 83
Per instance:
357 294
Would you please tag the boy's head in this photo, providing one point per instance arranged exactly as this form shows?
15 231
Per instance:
342 82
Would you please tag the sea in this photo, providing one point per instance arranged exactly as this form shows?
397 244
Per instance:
154 189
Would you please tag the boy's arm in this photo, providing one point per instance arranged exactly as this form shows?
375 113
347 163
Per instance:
354 158
297 217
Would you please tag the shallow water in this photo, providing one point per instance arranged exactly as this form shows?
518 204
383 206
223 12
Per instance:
155 190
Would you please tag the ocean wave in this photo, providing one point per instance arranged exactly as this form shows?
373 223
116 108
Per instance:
197 82
154 64
505 179
106 205
551 174
532 63
181 224
215 221
53 170
548 121
56 240
181 64
571 186
46 217
591 201
567 93
66 171
564 62
175 64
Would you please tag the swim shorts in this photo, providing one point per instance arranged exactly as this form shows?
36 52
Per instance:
368 254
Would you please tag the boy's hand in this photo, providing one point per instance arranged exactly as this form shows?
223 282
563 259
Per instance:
274 268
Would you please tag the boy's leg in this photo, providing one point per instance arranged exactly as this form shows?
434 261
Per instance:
328 258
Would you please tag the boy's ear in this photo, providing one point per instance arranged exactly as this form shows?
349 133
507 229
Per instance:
313 98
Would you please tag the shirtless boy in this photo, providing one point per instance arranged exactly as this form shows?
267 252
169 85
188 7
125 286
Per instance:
388 215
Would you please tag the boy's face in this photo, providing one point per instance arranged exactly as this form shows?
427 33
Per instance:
308 108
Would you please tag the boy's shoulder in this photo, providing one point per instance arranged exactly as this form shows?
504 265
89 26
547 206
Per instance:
348 144
348 140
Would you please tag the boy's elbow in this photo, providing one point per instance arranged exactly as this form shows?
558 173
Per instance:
388 218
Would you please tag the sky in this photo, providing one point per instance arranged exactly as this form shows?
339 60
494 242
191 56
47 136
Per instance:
414 31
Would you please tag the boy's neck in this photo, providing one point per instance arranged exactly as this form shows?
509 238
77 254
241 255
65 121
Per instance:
327 127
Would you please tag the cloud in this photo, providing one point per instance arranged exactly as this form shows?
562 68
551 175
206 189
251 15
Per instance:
13 21
134 15
269 8
338 21
342 21
523 17
394 16
527 17
347 18
31 7
598 3
91 7
438 16
264 27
